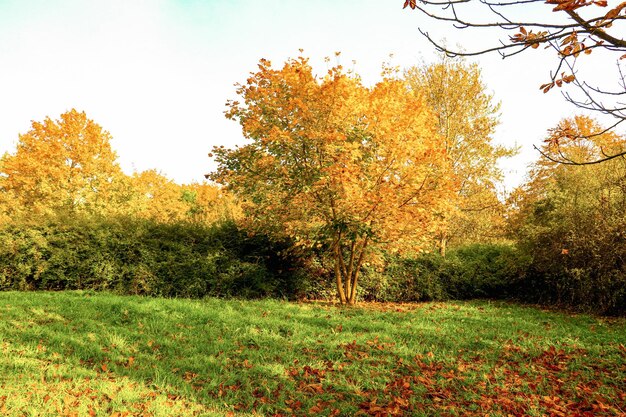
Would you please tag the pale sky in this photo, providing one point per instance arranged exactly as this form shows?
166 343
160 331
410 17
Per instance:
156 74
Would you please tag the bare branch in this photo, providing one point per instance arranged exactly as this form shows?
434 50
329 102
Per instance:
562 29
567 161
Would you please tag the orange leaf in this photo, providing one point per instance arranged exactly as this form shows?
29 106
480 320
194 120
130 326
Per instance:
612 14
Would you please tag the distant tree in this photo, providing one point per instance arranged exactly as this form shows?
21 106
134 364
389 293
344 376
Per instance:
334 164
207 203
67 164
467 118
570 218
158 198
575 29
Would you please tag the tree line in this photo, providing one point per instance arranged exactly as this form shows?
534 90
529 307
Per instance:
385 192
68 166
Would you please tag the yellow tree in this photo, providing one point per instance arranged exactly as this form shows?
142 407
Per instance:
466 120
570 140
338 165
207 203
157 197
67 164
570 217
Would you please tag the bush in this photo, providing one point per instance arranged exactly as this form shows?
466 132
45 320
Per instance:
474 271
486 271
134 256
405 280
577 257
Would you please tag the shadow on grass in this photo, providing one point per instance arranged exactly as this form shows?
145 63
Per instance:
269 356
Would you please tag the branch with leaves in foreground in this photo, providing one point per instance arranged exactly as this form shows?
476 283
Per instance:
572 28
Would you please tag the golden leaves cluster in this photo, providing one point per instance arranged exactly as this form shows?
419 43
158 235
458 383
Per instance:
330 154
466 117
68 165
65 163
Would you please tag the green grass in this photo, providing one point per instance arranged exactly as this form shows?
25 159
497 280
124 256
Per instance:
92 354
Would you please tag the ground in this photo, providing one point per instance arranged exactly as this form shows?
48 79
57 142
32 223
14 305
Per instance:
94 354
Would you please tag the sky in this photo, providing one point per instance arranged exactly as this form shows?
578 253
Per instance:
156 74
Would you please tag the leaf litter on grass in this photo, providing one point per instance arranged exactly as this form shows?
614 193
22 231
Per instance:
219 357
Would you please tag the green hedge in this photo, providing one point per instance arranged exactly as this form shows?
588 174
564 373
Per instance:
134 256
474 271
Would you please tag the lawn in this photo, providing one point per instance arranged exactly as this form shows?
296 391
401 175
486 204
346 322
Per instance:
93 354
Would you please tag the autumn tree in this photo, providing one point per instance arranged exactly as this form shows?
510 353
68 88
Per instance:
573 29
65 164
570 218
338 165
156 197
207 203
466 120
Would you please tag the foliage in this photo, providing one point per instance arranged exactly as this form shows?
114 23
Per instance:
405 280
66 164
571 220
467 272
486 271
158 198
135 256
467 118
335 164
136 355
573 29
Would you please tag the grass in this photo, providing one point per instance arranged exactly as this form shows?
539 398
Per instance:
93 354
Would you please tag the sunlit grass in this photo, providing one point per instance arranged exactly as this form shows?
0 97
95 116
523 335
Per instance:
100 354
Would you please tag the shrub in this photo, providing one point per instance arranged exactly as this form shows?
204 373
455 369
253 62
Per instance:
474 271
137 256
405 280
577 258
486 271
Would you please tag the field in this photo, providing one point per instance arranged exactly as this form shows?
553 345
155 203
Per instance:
92 354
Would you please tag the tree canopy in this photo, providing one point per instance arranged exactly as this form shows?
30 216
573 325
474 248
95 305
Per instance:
466 120
335 164
62 164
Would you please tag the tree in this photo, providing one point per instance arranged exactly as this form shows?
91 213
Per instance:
466 120
208 204
570 218
158 198
576 28
67 164
334 164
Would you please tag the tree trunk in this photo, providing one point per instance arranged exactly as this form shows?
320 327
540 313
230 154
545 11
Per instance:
443 244
352 297
340 292
347 275
357 269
